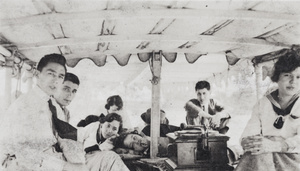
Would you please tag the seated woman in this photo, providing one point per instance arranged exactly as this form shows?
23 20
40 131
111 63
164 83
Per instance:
114 104
271 139
98 138
165 128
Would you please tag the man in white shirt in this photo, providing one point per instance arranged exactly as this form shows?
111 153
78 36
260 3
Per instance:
26 130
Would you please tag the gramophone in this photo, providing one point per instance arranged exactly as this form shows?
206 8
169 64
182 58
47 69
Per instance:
197 148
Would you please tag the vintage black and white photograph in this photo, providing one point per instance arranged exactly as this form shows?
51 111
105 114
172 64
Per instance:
149 85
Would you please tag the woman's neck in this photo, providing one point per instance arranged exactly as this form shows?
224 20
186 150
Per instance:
283 100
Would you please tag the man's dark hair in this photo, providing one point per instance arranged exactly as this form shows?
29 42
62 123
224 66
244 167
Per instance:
54 58
201 85
146 116
72 77
285 64
114 100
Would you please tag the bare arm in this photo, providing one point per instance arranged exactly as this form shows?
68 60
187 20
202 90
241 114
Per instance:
258 144
197 108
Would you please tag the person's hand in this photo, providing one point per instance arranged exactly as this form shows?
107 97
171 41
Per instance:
275 138
205 122
107 144
258 144
215 120
248 143
121 150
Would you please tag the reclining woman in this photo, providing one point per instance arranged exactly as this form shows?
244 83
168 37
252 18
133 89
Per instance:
132 146
272 136
98 138
132 143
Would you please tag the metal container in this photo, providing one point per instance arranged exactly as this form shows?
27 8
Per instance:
199 151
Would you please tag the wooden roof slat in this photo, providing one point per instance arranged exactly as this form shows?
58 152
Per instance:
4 51
148 38
42 7
153 13
276 30
217 27
161 26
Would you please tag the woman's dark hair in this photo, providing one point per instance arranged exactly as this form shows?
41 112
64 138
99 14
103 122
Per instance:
285 64
111 117
119 141
114 100
89 119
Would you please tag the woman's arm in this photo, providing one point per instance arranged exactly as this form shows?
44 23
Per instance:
259 144
253 126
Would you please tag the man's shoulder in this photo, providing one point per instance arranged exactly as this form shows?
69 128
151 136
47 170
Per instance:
264 101
216 105
21 101
214 101
26 102
195 101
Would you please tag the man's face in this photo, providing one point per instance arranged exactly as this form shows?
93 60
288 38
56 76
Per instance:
136 142
66 92
203 95
51 77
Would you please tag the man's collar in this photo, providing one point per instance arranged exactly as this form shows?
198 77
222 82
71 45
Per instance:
41 93
204 104
63 107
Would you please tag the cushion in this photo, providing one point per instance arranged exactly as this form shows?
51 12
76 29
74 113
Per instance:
72 150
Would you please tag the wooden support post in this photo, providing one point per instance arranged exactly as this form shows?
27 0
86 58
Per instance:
8 84
155 66
9 60
258 80
29 83
29 74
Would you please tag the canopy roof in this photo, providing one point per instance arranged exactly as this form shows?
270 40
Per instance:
100 29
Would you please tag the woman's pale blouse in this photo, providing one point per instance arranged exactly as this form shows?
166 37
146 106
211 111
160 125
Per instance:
88 134
263 117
